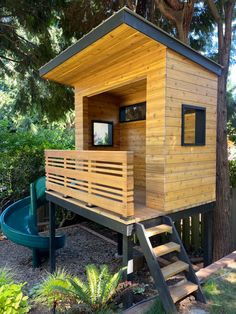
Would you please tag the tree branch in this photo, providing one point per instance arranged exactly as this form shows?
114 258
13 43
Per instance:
9 59
214 11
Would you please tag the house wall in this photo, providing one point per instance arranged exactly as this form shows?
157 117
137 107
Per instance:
143 60
190 171
104 107
133 138
177 177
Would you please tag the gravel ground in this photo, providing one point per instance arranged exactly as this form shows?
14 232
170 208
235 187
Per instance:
81 248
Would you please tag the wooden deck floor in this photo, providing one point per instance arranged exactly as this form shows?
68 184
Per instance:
141 211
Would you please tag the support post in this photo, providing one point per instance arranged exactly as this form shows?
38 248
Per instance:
127 248
52 228
208 248
128 262
119 244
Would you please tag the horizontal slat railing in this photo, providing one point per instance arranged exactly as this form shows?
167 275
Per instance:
99 178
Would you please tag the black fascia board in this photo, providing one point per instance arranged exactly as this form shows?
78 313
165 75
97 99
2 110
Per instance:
140 24
126 16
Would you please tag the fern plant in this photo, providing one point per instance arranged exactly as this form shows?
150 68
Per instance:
62 291
100 287
5 276
49 291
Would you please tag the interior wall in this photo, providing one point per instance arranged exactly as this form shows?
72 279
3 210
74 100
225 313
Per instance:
133 138
104 107
127 136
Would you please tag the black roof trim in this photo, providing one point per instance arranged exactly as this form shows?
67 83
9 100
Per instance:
140 24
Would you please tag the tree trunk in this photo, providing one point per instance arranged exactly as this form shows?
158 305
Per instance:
222 227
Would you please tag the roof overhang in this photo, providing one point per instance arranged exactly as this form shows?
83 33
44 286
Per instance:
128 17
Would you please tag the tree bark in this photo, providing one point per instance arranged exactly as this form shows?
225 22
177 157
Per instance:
222 227
180 14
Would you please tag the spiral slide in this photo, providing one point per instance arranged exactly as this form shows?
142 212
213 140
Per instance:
19 222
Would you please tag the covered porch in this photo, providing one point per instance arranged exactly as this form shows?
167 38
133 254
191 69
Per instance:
100 181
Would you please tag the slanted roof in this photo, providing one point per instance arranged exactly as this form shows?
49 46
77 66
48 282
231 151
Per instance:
132 20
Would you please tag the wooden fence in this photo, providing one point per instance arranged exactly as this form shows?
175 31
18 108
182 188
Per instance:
100 178
191 229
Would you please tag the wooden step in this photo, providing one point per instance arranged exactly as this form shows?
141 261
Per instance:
174 268
180 291
166 248
150 232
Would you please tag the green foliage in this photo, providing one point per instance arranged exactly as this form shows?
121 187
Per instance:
22 156
12 299
5 276
94 296
232 173
49 292
220 291
156 308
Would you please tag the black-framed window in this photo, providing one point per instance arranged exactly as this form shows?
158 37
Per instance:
193 125
102 133
133 112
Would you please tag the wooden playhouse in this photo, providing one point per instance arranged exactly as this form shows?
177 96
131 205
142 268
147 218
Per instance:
145 107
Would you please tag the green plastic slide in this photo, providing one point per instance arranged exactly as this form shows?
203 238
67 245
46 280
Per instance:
19 222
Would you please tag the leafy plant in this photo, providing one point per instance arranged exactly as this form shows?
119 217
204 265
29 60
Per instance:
156 308
62 291
100 287
49 292
232 173
12 299
5 276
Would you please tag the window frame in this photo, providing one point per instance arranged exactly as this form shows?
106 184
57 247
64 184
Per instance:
198 141
112 135
143 103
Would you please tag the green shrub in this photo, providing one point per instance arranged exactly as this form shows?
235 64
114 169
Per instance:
22 156
12 299
47 293
232 172
62 291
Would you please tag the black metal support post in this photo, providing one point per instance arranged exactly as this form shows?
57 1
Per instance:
208 246
127 248
119 244
52 228
128 262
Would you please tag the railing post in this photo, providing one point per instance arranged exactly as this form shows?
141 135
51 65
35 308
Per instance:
129 186
89 182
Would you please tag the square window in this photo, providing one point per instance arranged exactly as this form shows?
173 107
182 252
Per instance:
193 125
133 112
102 133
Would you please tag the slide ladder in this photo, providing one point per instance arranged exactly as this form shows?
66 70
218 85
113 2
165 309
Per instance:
180 263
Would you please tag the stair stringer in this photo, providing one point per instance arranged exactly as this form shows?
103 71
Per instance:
155 270
190 275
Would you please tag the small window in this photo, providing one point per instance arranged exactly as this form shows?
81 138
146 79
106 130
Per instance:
133 112
102 133
193 125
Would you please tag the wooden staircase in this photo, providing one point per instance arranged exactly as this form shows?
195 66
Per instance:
169 295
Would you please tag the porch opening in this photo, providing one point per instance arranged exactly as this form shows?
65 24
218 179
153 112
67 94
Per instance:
127 136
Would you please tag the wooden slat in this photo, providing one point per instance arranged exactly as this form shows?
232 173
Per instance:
179 292
103 179
158 230
174 269
166 248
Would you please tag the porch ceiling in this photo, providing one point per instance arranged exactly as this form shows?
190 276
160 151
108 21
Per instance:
117 45
117 36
